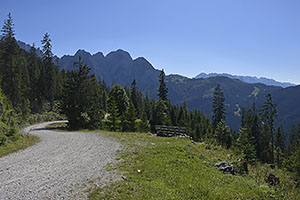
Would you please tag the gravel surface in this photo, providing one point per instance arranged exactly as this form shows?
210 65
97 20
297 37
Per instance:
61 166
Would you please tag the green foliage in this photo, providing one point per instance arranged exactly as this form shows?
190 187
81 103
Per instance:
279 146
128 120
119 95
218 106
13 69
18 144
163 90
175 168
3 139
114 115
7 120
268 113
293 153
246 146
161 115
80 101
223 134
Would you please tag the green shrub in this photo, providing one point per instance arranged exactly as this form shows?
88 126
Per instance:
3 139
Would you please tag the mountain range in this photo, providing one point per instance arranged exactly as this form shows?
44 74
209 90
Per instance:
248 79
118 67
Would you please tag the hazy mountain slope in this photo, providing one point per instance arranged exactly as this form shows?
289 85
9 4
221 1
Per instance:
198 93
248 79
287 100
118 67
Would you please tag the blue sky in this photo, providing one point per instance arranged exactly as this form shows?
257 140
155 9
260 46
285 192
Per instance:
243 37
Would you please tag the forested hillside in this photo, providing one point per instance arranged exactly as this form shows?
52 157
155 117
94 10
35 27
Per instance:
119 68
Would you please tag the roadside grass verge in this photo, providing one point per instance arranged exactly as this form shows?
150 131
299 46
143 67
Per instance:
176 168
20 144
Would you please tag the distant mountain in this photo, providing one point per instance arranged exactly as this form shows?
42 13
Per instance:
248 79
118 67
27 48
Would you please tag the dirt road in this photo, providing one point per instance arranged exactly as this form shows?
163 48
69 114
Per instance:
60 166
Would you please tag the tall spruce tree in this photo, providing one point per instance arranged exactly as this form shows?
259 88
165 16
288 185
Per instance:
279 146
218 106
80 101
163 90
34 71
134 95
268 113
119 95
14 76
114 115
48 73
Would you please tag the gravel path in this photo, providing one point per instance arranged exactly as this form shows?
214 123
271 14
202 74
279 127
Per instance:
60 166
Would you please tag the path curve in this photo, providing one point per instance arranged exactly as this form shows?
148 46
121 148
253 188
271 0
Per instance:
58 167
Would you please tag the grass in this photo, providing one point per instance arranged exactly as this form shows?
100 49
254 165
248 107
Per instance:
57 127
175 168
20 144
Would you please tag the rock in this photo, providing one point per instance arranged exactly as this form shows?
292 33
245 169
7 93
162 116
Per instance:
225 167
273 180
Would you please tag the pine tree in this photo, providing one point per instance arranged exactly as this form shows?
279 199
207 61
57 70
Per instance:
35 95
268 113
279 146
119 95
14 76
161 115
80 101
128 120
114 114
223 134
10 78
218 106
134 94
246 144
163 90
49 75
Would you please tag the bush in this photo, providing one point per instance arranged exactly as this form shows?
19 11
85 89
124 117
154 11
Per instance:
15 137
3 139
47 116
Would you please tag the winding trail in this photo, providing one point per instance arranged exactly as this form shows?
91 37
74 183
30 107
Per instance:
60 166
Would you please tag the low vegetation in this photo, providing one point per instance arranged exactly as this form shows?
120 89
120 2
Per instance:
21 143
177 168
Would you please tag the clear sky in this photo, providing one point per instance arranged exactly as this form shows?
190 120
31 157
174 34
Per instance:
242 37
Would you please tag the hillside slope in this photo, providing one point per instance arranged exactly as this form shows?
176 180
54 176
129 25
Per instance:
118 67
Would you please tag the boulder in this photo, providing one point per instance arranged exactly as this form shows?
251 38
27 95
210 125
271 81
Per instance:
225 167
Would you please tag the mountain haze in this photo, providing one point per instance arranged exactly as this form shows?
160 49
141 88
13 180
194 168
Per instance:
248 79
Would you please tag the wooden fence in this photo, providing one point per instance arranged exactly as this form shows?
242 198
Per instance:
170 131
